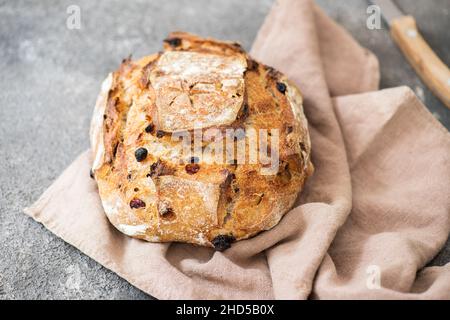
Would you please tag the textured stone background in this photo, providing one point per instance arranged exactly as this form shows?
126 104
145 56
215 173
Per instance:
50 77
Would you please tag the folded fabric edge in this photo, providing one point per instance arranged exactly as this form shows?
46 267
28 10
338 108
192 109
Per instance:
419 105
371 65
422 111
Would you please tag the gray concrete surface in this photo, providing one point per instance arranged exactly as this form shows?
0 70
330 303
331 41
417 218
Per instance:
50 76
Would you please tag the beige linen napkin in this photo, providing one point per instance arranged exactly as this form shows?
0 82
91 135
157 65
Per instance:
375 212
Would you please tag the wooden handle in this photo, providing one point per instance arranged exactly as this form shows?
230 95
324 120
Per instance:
427 64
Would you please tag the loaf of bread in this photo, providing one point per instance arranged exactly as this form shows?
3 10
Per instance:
199 144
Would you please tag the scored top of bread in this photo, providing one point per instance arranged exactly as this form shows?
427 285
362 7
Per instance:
199 88
150 189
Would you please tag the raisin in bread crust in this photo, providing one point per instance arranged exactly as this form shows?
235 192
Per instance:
149 190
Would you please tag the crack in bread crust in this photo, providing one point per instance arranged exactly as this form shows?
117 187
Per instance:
160 196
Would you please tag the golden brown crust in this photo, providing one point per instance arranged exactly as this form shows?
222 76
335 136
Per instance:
155 193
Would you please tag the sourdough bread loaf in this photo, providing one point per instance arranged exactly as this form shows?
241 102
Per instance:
158 182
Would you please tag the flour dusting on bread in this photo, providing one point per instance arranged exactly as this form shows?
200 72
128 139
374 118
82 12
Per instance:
197 88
